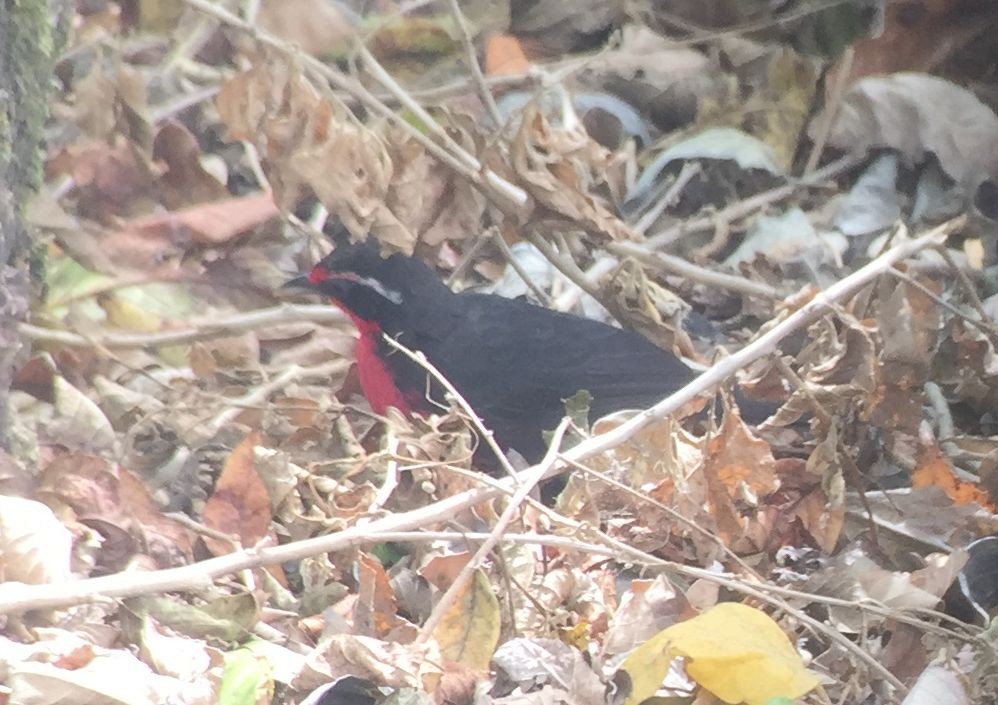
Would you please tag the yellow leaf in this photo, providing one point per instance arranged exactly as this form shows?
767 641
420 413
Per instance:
122 313
469 631
736 652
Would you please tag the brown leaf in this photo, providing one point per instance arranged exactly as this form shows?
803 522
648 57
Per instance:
561 169
504 56
112 178
375 611
441 571
934 469
740 471
205 224
384 663
239 505
164 539
84 483
313 146
184 180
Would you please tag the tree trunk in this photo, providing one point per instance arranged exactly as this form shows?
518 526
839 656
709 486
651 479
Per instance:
28 47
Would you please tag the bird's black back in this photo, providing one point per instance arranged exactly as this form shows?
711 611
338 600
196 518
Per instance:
517 363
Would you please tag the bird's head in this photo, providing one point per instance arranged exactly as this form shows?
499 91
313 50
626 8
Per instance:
369 287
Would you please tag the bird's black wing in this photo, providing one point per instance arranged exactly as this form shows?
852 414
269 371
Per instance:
516 364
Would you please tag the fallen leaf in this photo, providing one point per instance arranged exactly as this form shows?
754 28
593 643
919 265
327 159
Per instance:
736 652
34 545
375 611
504 56
934 470
239 505
469 630
917 114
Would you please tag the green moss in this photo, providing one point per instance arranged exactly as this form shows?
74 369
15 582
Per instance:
29 59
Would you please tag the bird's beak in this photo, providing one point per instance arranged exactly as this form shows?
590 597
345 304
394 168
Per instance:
300 282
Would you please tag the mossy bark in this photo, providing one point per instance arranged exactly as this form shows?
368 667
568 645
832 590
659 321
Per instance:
28 45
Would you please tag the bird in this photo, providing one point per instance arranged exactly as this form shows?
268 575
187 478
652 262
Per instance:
514 362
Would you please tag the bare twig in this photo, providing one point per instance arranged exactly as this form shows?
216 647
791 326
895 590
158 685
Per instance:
486 433
205 329
758 592
985 326
473 65
533 476
824 127
749 206
672 513
766 344
259 394
677 265
500 243
968 286
566 265
689 170
603 265
16 597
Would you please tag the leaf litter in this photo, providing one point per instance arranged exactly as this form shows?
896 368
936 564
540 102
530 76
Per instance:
191 169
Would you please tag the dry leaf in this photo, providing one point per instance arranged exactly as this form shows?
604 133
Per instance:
736 652
239 505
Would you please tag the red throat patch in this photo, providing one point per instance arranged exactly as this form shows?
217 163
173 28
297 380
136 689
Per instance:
375 379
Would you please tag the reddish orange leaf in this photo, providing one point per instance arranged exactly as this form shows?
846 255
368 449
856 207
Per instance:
934 469
240 505
504 56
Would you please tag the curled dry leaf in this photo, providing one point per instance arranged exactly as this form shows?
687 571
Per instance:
740 471
935 470
313 146
526 663
561 168
384 663
917 114
184 180
375 613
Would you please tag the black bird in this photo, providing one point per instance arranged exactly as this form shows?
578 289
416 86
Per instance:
514 362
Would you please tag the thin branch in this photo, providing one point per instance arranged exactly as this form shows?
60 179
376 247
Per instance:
473 65
18 597
603 265
500 243
749 206
677 265
476 421
258 395
672 513
985 326
767 343
566 265
689 170
205 329
533 476
759 593
824 128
